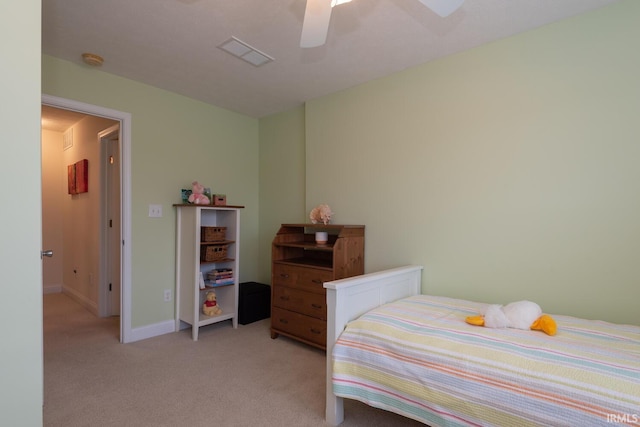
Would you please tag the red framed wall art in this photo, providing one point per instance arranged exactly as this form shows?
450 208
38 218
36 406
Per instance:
78 177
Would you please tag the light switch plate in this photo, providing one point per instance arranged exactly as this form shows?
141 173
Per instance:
155 211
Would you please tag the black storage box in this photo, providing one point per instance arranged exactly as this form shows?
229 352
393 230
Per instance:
255 302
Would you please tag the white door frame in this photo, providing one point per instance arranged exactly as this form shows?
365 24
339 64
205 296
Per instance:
125 206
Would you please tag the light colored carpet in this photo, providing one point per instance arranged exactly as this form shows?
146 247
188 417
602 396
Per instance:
229 377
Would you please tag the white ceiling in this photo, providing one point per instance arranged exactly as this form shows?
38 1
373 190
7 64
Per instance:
172 44
59 120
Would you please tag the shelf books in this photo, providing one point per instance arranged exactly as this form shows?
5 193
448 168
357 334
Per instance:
220 273
220 277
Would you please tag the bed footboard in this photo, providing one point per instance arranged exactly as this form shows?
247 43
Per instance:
349 298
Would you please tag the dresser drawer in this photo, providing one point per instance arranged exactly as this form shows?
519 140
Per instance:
311 304
304 278
300 326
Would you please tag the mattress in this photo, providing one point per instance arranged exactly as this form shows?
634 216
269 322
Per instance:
417 357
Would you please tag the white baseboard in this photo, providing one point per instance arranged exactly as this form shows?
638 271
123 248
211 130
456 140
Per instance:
137 334
150 331
51 289
82 300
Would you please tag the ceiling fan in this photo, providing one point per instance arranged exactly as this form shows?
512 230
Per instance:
318 14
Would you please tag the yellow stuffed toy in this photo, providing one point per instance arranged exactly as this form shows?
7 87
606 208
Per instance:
520 315
210 306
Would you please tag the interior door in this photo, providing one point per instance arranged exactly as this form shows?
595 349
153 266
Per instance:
114 237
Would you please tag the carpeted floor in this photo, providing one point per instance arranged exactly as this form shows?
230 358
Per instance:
229 377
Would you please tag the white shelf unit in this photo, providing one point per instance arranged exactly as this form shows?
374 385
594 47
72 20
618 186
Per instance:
189 296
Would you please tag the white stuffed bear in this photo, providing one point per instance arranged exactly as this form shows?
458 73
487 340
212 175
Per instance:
519 315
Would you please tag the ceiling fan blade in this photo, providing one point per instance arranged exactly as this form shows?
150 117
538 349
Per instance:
316 23
443 8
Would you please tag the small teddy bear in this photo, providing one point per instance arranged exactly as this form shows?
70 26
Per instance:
321 213
197 196
210 306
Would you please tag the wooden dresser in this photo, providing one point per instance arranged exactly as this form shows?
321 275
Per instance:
299 268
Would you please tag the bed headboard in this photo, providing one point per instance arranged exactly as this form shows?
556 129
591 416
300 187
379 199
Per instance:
349 298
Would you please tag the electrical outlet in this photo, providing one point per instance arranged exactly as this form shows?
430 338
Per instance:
155 211
167 295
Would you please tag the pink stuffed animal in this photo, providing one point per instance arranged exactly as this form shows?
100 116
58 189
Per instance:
321 213
197 196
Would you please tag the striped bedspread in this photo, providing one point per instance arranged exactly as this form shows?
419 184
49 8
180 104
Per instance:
417 357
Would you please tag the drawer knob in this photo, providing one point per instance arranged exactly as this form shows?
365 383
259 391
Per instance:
285 321
318 306
315 331
284 275
284 298
319 282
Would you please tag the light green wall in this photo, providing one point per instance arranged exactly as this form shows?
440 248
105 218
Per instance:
20 228
282 179
175 140
510 171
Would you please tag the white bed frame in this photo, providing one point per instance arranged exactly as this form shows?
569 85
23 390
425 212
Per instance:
348 299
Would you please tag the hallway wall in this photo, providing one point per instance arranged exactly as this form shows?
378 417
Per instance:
53 186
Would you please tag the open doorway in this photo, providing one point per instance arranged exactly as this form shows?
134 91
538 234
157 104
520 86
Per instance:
81 208
112 188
